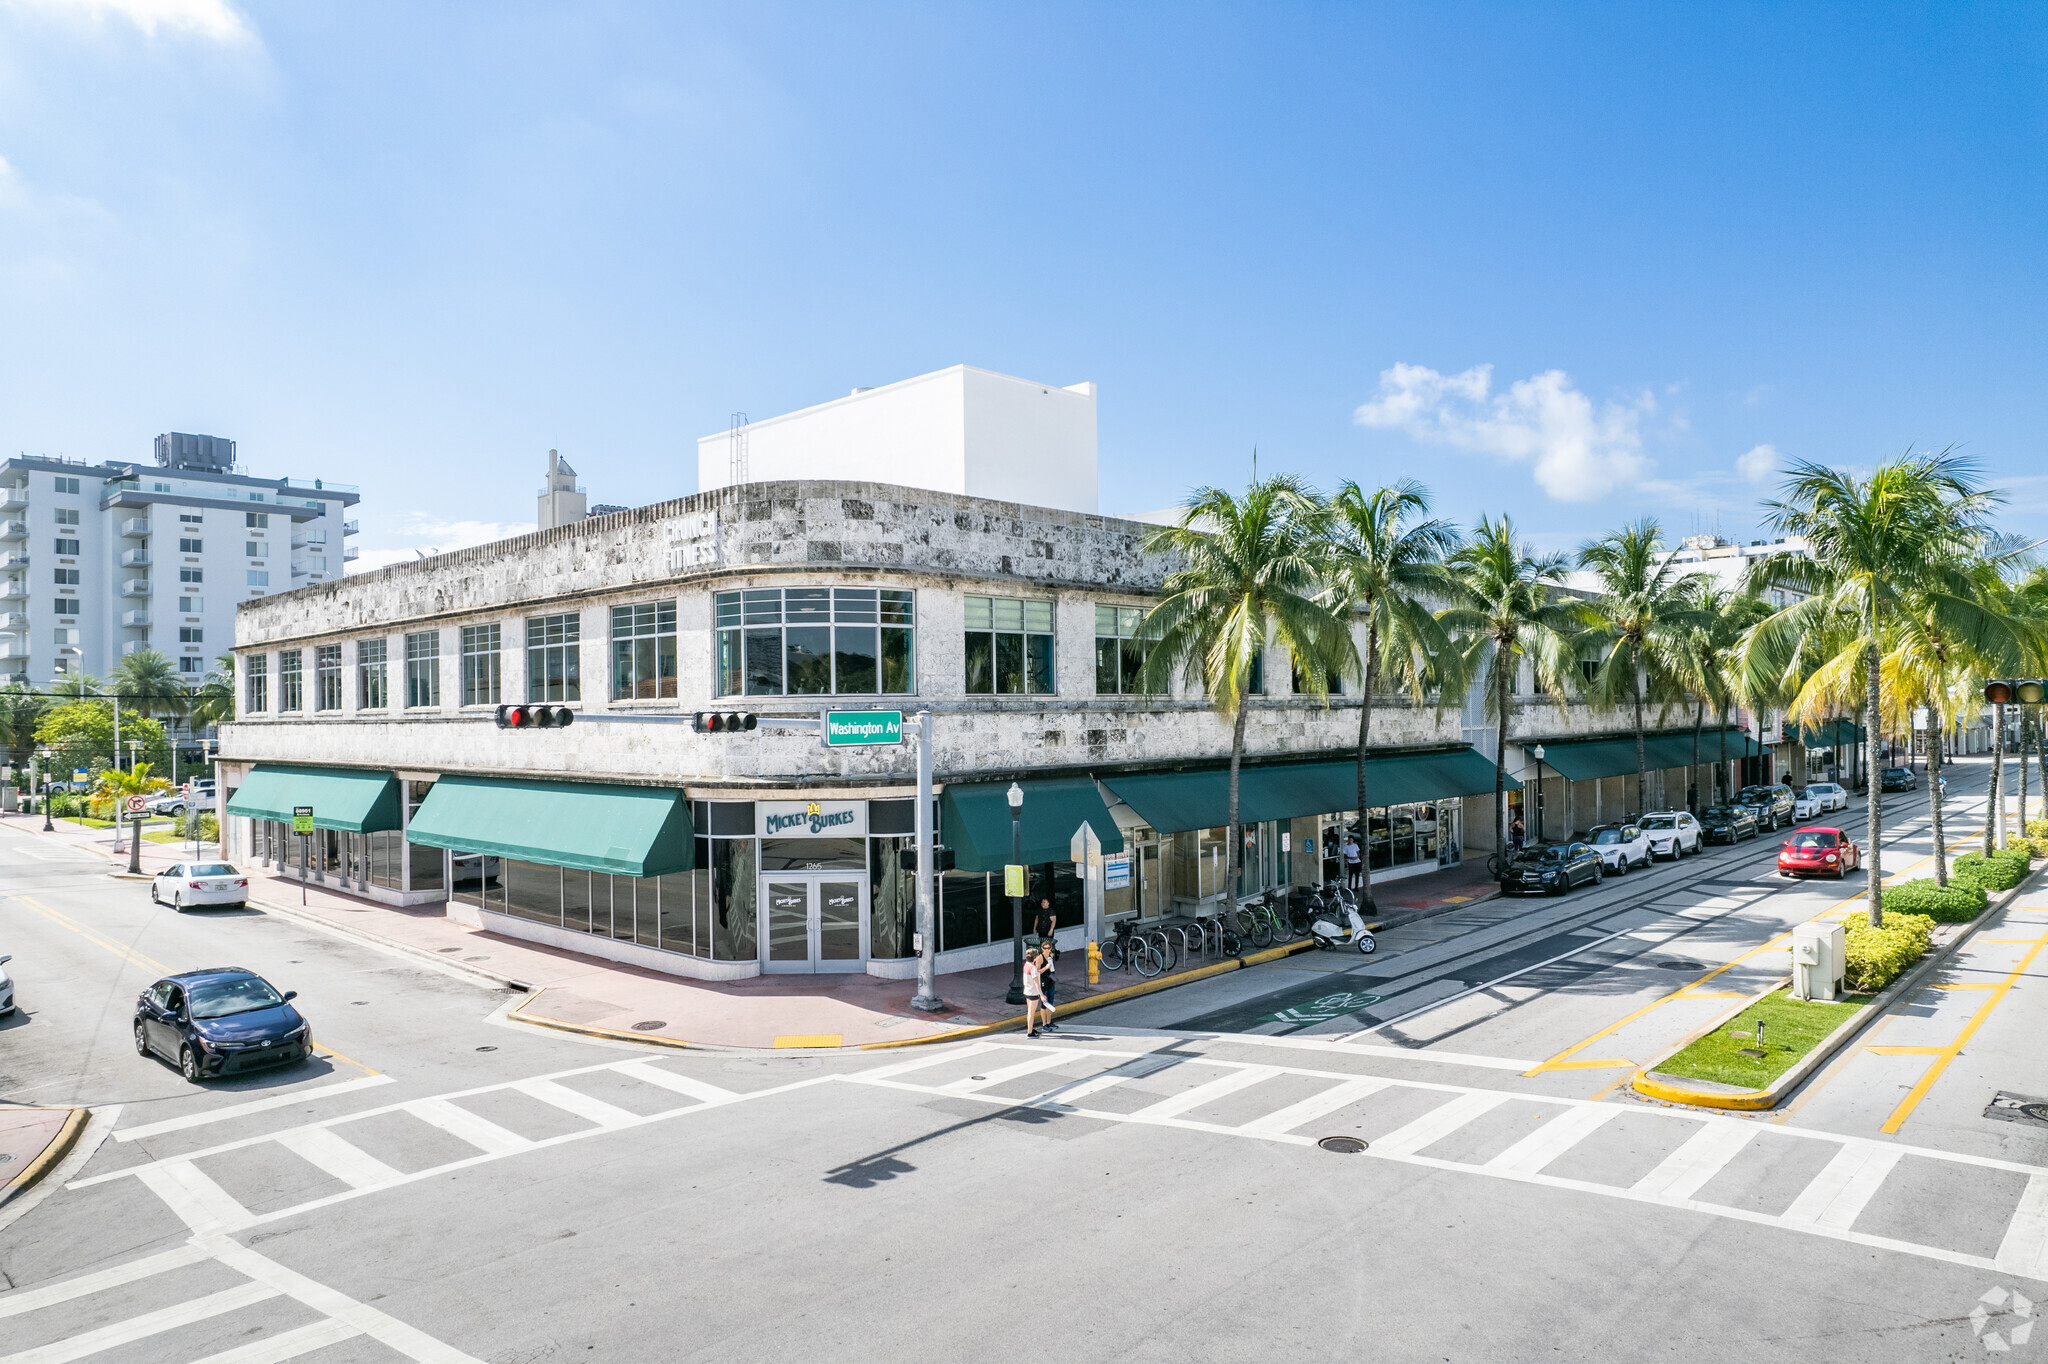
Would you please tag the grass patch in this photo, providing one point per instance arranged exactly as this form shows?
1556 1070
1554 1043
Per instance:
1792 1028
87 821
172 836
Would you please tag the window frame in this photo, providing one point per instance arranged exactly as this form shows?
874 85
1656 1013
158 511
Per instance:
1003 645
483 674
256 683
61 551
752 627
555 639
1125 624
644 651
291 681
373 676
327 677
423 670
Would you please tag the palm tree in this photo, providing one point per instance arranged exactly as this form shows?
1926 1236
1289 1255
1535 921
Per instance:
1250 570
150 682
76 684
214 702
1870 543
1640 625
1504 611
21 710
1388 567
1707 668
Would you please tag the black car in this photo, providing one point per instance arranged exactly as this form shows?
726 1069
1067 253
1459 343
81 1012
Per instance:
1551 869
1898 779
1727 824
221 1021
1771 805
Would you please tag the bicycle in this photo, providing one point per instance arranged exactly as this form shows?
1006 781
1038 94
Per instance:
1220 936
1258 924
1130 947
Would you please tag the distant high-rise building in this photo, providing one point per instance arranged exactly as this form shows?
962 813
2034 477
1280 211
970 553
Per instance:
562 503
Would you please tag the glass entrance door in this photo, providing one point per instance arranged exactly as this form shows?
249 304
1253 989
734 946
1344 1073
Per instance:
814 924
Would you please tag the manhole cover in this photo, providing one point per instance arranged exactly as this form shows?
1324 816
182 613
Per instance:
977 1077
2018 1108
486 1048
1343 1146
1681 964
448 949
359 1001
649 1025
4 1157
476 958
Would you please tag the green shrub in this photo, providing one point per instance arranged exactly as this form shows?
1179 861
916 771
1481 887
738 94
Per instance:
1879 956
2000 871
1956 903
2037 828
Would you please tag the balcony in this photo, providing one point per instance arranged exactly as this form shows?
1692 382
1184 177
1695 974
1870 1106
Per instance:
13 620
13 648
135 619
134 558
135 587
351 554
133 646
348 528
135 527
13 591
13 558
13 530
14 498
300 570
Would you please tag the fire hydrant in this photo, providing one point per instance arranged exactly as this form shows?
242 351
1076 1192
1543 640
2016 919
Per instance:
1094 963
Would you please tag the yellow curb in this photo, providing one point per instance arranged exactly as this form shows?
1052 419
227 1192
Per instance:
1108 997
60 1146
612 1034
1744 1101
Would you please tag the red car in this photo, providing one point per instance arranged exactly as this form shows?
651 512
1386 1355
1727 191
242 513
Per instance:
1818 851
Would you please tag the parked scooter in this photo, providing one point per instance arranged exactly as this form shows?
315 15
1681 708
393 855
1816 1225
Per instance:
1337 922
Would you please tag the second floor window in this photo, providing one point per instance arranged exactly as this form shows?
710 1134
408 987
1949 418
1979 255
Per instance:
372 685
191 634
480 665
327 677
816 641
644 651
1119 653
423 669
290 681
67 516
554 657
256 689
1009 646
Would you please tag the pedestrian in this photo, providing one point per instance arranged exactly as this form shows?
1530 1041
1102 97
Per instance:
1515 833
1044 922
1032 993
1353 863
1048 982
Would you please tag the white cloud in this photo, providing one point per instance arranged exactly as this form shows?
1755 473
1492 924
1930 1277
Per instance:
1759 463
412 536
1581 453
214 19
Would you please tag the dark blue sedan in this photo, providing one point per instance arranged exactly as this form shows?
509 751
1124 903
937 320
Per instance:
221 1021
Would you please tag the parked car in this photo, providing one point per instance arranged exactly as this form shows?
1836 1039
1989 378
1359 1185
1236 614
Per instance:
6 986
1770 805
1899 779
173 802
1806 805
199 883
1816 851
1834 795
221 1021
1673 833
1621 846
1728 823
1552 869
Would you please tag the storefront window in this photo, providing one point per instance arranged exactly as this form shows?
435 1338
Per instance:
426 862
644 651
733 882
815 641
1009 646
1119 655
963 909
892 899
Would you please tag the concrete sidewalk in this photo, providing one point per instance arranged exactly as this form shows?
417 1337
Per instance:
32 1140
590 995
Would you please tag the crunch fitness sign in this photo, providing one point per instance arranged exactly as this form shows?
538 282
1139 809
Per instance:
811 818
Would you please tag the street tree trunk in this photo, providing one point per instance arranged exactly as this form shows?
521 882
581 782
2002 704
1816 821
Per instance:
1234 856
2023 771
1872 683
1500 763
1372 657
1996 809
1642 756
1934 790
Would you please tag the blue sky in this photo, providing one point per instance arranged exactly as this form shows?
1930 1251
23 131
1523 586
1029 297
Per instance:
1580 263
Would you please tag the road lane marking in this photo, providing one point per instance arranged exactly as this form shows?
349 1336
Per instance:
938 1056
481 1133
141 1328
1006 1073
1950 1052
35 1299
93 936
1552 1139
1687 1170
350 1164
577 1102
2024 1249
199 1202
214 1115
1839 1193
287 1344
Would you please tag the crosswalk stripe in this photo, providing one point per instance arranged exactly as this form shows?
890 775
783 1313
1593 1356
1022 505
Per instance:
575 1101
1201 1094
1688 1169
201 1203
409 1341
1044 1061
350 1164
141 1328
213 1115
1551 1140
287 1345
1839 1192
1313 1107
1437 1124
1070 1094
654 1074
481 1133
939 1056
2024 1250
35 1299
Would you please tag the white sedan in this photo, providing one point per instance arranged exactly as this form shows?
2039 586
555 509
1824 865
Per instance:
199 883
6 986
1621 846
1833 796
1673 833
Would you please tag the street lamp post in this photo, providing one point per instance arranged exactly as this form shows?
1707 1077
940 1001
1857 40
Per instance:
1537 754
1016 995
46 755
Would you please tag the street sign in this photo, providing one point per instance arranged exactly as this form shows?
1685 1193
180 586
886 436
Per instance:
302 819
78 774
1116 871
135 805
859 728
1013 880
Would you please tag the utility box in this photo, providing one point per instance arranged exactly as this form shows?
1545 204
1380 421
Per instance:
1820 960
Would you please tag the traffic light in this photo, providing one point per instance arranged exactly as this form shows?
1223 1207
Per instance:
535 717
2029 691
725 722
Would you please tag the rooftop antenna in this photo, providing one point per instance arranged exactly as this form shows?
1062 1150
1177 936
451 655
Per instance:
736 462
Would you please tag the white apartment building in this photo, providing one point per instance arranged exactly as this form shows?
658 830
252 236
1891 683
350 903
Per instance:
98 561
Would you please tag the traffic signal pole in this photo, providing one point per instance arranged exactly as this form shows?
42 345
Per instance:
927 997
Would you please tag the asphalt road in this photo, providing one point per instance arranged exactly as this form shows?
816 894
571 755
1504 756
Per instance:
1115 1193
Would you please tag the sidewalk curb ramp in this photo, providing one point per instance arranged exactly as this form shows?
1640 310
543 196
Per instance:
1107 997
1668 1090
59 1147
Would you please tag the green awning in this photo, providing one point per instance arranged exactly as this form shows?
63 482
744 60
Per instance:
1588 759
1833 733
1173 802
623 830
352 802
974 821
